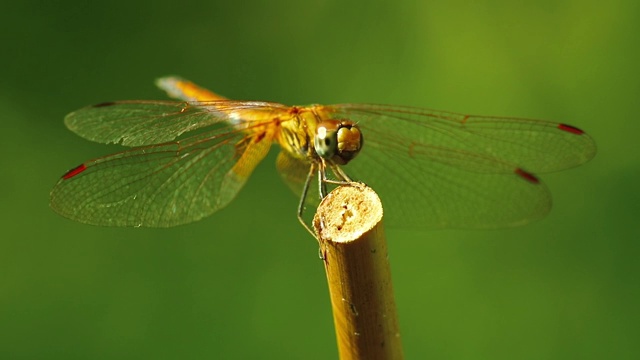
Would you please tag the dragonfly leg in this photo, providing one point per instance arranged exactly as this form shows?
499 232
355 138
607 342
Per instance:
341 174
322 180
303 197
343 179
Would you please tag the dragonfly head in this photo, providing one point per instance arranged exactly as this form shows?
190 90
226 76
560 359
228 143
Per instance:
337 141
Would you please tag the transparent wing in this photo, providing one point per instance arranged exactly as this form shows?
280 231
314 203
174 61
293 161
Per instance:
139 122
166 184
438 169
294 172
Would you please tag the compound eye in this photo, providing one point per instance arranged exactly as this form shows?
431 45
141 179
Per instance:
338 141
326 140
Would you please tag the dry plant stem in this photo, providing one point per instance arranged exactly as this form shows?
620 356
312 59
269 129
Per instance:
349 226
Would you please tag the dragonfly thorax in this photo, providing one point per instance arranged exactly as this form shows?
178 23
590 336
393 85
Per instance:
338 141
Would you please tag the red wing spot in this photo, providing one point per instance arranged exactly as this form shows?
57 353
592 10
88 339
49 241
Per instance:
527 176
75 171
571 129
108 103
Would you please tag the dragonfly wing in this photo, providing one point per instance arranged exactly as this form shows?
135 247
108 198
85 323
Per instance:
161 185
139 122
294 172
436 169
535 145
425 192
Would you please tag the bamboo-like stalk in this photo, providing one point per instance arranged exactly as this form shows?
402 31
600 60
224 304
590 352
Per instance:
352 242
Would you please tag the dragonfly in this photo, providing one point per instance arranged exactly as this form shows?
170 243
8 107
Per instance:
186 159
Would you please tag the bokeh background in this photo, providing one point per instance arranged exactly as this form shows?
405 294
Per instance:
246 282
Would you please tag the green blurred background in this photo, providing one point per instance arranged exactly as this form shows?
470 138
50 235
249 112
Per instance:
246 282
